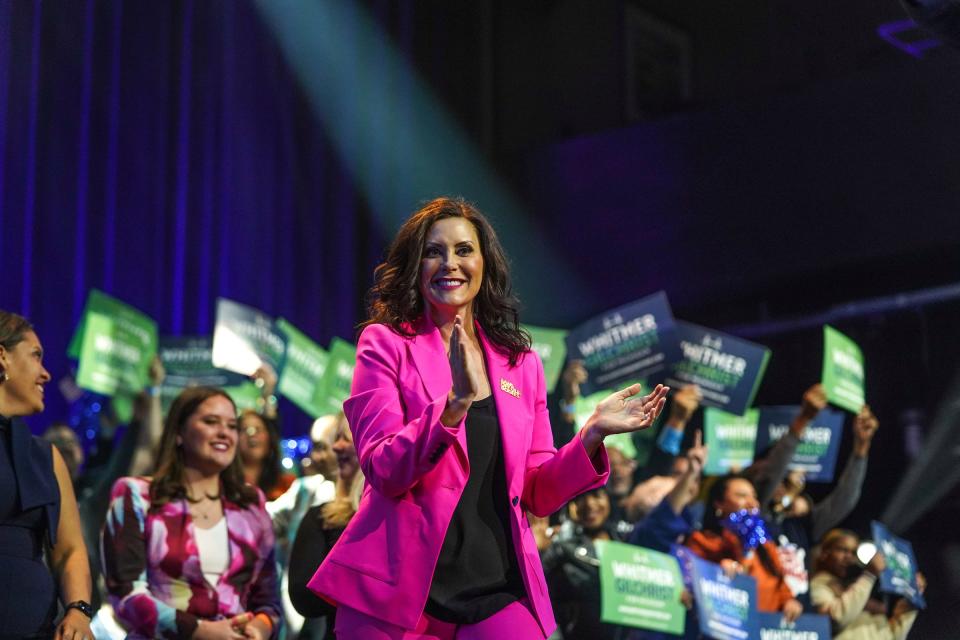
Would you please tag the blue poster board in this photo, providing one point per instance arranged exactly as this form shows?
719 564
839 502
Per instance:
728 370
900 575
806 627
630 342
817 453
726 607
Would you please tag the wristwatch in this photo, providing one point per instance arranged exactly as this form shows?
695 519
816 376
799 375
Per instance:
81 606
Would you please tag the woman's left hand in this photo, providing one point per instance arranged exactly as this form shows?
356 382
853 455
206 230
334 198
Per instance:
626 411
74 626
792 610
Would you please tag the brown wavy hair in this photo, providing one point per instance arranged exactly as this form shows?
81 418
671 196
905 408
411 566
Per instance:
395 299
168 481
13 328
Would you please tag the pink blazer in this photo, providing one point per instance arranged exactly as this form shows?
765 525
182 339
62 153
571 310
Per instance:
416 469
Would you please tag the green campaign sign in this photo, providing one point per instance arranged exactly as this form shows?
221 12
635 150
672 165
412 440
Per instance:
843 370
635 445
116 345
730 440
302 374
640 587
338 376
551 346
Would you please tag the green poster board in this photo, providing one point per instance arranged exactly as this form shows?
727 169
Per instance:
843 370
730 440
302 374
640 587
117 343
338 376
551 346
245 395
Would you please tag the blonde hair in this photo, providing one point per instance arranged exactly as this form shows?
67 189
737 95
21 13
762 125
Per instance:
337 513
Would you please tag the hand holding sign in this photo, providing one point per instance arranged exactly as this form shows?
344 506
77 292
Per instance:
686 401
814 401
865 426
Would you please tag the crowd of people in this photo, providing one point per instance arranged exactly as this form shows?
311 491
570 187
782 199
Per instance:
451 499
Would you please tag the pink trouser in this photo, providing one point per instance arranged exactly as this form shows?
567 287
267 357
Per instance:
514 621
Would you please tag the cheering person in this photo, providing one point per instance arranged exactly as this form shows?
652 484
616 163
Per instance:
189 552
449 417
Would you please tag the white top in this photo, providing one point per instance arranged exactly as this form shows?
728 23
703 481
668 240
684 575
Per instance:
214 549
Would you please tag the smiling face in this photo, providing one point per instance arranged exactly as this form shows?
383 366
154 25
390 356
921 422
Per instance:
209 437
591 509
451 267
22 391
738 495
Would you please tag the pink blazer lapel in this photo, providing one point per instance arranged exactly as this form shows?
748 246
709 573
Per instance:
505 383
430 358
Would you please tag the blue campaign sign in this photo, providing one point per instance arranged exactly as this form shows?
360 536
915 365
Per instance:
817 453
630 342
726 607
728 370
900 575
806 627
245 338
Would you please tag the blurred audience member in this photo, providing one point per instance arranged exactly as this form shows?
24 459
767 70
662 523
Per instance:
320 529
734 537
841 589
572 570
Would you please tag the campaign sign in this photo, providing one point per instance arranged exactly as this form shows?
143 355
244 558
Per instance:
728 370
817 452
338 376
807 627
900 575
188 362
640 587
843 371
302 375
726 607
244 338
550 345
116 345
632 341
730 440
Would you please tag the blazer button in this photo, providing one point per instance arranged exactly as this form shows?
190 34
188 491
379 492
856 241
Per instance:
516 500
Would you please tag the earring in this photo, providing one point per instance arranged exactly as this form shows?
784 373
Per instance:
3 376
718 512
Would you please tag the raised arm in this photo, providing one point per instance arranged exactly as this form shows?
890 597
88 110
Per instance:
778 460
840 502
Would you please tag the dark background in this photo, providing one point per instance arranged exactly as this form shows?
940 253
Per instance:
758 161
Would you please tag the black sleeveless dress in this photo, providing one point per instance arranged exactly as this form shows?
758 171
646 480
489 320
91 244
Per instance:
29 510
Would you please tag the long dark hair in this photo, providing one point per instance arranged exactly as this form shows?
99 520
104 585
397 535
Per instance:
711 520
270 468
395 299
168 482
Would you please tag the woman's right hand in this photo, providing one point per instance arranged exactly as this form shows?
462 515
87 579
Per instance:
218 630
466 372
877 564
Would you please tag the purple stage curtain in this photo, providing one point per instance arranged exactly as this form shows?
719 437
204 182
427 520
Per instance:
164 153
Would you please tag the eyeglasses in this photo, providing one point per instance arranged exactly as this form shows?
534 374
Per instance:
252 430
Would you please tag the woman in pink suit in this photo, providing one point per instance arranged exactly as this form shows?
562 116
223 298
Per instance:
448 412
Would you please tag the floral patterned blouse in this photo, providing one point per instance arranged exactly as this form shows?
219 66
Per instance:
152 566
